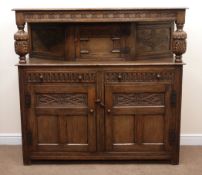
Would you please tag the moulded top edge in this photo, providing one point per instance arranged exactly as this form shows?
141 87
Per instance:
97 9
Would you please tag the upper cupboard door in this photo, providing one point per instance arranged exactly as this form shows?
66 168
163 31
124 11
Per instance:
62 118
137 117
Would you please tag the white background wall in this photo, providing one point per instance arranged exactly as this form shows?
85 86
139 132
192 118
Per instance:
192 81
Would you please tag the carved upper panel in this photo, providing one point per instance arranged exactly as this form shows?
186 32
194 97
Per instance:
154 39
57 76
138 99
61 99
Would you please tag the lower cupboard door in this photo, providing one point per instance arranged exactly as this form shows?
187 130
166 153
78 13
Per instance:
61 118
137 117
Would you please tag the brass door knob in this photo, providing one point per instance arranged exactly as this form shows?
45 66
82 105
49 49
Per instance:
91 110
108 110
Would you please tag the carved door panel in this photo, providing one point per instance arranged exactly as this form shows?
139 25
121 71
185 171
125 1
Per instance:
137 117
62 118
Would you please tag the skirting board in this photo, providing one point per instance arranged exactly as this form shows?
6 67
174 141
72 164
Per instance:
15 139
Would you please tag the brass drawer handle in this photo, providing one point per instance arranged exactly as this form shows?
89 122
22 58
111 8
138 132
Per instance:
108 110
80 77
119 77
41 77
158 76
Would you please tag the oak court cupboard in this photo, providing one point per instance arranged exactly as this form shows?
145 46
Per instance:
100 84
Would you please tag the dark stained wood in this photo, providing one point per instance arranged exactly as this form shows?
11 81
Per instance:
123 129
154 40
100 84
153 124
47 41
98 42
125 103
70 125
77 129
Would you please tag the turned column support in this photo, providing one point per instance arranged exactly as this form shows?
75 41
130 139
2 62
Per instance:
179 37
21 39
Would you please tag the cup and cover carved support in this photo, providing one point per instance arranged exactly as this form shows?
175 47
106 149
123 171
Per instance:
21 41
179 44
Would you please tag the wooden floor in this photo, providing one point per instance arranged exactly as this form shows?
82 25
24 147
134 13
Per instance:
190 164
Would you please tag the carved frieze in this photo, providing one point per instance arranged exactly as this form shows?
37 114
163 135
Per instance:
139 76
138 99
61 99
115 15
60 76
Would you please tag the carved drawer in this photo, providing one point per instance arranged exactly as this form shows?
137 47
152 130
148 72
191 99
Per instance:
140 76
59 76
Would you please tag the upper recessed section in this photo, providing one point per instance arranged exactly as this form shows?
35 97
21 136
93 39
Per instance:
127 34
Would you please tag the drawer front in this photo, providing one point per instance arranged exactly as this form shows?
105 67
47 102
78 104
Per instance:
140 76
59 76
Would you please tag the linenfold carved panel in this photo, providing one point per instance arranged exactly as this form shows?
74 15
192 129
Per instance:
51 99
139 76
57 76
138 99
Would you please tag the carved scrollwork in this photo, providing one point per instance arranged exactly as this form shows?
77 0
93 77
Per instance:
61 99
57 76
139 76
138 99
155 39
21 44
69 16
